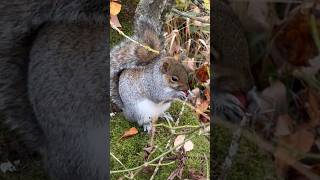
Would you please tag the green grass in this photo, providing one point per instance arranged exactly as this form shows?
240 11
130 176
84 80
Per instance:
130 151
249 163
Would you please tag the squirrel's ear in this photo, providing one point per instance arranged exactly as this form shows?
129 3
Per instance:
164 67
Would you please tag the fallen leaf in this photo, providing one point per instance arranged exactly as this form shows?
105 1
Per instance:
313 109
301 141
294 43
202 73
188 146
131 132
202 105
179 139
114 21
284 125
115 7
276 97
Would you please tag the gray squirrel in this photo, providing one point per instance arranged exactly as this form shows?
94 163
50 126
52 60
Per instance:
147 92
53 75
143 83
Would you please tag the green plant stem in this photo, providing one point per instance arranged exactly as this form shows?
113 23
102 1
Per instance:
315 33
155 159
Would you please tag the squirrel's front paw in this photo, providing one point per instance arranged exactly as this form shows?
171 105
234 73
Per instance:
228 107
147 127
181 95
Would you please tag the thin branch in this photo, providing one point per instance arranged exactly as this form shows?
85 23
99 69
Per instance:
126 36
233 149
155 159
180 127
176 11
161 159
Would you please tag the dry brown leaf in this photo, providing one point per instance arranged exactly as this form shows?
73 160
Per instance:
202 105
301 141
313 109
179 139
276 98
131 132
115 8
202 73
284 125
294 42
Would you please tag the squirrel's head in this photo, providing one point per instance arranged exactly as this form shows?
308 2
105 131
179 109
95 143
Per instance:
176 75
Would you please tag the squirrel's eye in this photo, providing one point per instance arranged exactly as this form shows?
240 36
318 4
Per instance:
174 78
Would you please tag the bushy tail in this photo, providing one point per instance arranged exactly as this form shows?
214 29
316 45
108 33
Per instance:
129 55
148 32
15 109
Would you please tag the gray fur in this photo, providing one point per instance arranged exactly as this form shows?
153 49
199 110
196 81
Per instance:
147 82
54 96
149 16
123 56
66 87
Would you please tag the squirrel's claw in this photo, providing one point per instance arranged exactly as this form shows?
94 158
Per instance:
147 127
181 95
229 107
167 116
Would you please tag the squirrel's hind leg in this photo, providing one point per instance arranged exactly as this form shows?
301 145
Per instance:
133 113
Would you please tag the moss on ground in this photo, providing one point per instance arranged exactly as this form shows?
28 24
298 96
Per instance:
249 163
130 151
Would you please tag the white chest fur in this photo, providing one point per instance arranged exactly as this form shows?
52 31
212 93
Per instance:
151 109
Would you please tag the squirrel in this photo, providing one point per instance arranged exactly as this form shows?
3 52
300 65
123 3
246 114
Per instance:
233 82
140 78
53 81
129 55
148 91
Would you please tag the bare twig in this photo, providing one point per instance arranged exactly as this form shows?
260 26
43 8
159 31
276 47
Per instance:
161 159
233 149
190 16
126 36
155 159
